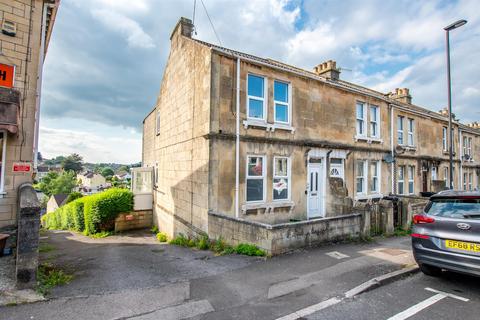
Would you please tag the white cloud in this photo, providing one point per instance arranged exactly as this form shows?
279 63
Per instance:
135 35
90 144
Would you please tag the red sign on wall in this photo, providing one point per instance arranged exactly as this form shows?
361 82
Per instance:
7 74
22 167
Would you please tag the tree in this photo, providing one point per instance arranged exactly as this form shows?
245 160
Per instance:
73 196
123 169
54 183
73 162
107 172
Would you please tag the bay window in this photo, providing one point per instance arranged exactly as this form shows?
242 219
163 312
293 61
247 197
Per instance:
281 178
281 102
256 97
401 179
255 184
374 176
360 179
411 181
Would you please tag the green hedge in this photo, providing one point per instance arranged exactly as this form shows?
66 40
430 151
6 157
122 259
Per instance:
91 214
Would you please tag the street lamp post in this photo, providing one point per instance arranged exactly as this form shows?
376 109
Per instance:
447 29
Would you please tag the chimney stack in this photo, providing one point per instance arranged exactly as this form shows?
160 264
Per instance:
184 26
402 95
474 125
328 70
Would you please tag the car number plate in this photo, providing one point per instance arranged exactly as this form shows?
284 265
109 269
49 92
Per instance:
460 245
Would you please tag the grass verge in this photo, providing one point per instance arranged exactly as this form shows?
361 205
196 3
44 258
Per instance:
219 246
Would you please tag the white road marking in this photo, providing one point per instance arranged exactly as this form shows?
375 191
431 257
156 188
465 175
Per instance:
418 307
454 296
311 309
425 304
337 255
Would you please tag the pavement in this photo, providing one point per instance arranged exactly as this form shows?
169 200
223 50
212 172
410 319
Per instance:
135 277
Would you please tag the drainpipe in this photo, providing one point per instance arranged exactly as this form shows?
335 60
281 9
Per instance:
392 150
39 86
237 140
460 155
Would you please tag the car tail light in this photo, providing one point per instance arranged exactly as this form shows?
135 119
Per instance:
421 219
420 236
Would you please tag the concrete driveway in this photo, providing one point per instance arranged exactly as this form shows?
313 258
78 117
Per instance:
135 277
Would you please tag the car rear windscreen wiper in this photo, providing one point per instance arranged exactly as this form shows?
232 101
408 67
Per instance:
472 215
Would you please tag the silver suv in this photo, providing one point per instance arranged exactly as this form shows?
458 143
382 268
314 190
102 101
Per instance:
447 234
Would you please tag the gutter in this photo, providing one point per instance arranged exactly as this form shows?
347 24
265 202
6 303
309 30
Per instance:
237 141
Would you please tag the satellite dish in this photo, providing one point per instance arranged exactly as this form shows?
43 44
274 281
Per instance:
399 149
388 158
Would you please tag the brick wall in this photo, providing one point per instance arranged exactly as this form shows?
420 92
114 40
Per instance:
134 220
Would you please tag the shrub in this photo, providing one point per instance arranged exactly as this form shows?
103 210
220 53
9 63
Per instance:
162 237
154 230
73 196
90 214
101 209
249 250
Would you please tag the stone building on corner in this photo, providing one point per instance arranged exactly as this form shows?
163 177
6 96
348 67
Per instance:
243 147
26 28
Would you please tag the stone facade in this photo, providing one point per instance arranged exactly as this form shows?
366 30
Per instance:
23 50
190 140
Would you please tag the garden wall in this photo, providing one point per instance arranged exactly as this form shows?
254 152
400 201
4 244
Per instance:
134 220
284 237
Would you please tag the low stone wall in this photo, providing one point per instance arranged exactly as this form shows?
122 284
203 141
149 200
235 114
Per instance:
134 220
281 238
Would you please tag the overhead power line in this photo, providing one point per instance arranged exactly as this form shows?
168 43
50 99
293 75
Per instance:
211 23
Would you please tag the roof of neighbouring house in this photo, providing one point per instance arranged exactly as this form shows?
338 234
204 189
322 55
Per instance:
42 169
60 198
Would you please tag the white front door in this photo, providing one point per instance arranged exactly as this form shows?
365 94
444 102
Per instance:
314 191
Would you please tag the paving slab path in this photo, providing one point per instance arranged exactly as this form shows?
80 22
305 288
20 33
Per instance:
135 277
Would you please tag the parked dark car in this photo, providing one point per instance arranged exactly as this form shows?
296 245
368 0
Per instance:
447 234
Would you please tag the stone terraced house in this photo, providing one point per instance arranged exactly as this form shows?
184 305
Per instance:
252 149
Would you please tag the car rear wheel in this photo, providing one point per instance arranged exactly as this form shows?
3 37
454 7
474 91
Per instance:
430 270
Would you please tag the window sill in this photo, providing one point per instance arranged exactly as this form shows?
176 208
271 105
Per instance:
268 206
410 148
368 139
267 126
368 196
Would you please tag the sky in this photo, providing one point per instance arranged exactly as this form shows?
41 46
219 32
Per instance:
106 58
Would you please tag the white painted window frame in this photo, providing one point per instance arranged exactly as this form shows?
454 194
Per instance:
411 179
400 130
4 160
288 177
157 122
410 132
363 119
469 147
364 177
375 121
264 98
288 103
444 138
263 177
377 175
402 180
